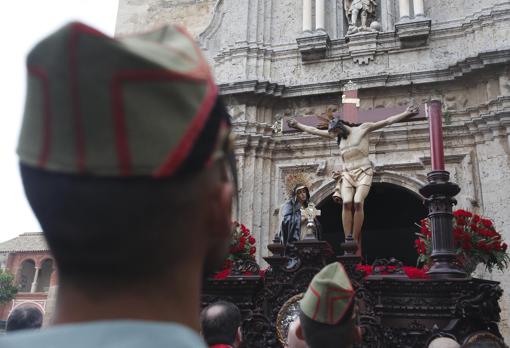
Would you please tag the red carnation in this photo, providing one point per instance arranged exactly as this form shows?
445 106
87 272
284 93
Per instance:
252 250
252 240
222 275
481 245
467 246
486 222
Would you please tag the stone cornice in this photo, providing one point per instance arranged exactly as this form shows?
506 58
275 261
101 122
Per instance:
255 87
462 68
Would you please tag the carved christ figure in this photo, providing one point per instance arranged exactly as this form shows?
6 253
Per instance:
357 173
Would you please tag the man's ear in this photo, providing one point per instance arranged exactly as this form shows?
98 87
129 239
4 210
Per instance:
239 336
299 332
221 210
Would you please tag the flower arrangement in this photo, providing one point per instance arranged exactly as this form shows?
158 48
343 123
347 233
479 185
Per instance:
475 240
411 272
242 247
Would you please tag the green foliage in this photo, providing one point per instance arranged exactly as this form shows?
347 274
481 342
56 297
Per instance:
7 288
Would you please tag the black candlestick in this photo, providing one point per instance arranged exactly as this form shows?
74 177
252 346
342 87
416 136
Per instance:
439 193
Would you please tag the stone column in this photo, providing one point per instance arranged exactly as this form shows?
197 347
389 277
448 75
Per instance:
320 14
403 9
418 8
307 15
36 276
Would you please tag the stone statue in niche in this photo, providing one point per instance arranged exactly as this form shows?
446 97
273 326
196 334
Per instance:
364 10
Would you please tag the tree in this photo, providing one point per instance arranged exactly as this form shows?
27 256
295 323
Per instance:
7 288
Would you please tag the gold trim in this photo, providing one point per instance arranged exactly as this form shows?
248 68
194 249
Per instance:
296 178
281 315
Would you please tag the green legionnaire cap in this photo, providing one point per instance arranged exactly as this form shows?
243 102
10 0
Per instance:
138 105
329 296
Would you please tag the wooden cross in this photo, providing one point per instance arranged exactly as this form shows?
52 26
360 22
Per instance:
351 111
350 103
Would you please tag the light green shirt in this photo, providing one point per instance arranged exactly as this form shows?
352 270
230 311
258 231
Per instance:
106 334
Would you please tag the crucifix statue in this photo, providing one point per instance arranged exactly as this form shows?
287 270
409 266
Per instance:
355 178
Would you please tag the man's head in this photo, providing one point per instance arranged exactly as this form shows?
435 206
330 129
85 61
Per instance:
24 318
125 154
328 316
220 323
338 128
443 342
483 339
295 338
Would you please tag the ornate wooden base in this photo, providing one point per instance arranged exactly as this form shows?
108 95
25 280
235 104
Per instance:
394 311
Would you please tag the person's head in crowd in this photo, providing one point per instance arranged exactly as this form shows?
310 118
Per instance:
24 318
293 340
443 342
483 339
126 161
220 324
328 315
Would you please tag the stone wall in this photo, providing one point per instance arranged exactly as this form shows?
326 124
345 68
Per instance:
459 52
140 15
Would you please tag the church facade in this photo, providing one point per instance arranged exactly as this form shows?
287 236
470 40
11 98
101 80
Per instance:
275 59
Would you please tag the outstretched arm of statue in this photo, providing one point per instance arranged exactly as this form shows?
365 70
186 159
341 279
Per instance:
410 111
307 129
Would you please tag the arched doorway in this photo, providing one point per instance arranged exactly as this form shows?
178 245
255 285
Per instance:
26 275
391 212
43 282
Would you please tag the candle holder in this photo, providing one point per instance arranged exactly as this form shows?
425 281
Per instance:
439 193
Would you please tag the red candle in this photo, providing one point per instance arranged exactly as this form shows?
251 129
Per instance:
434 115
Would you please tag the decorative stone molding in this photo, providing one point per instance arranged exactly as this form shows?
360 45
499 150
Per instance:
213 26
255 87
413 33
313 46
362 47
461 68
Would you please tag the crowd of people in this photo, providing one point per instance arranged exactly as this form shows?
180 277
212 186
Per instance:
127 162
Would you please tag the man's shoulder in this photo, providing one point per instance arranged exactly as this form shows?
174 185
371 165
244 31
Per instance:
106 334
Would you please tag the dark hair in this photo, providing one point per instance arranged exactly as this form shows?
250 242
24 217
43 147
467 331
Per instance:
24 318
320 335
484 344
220 326
337 123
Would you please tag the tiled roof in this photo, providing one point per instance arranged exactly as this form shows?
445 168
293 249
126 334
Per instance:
33 241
